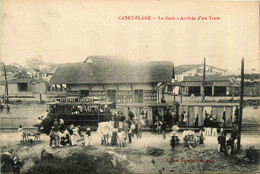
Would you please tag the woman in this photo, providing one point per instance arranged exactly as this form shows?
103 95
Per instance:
114 138
74 135
87 137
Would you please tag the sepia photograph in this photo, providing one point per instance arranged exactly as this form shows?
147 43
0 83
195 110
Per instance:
150 86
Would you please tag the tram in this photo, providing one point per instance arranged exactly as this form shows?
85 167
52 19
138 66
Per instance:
150 111
194 111
218 111
79 111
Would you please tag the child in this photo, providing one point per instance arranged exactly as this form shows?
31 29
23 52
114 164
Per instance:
173 142
21 133
87 137
121 138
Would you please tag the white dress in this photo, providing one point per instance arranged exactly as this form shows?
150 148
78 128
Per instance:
74 137
20 132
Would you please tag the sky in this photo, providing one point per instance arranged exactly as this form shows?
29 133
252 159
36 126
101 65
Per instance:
62 31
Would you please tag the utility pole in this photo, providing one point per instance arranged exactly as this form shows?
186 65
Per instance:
241 105
6 100
203 83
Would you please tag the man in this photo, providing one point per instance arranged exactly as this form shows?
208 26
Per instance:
130 114
181 118
51 135
7 109
196 120
206 125
185 119
214 127
177 105
163 127
1 108
221 142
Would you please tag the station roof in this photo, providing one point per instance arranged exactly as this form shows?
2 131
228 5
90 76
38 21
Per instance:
207 78
105 72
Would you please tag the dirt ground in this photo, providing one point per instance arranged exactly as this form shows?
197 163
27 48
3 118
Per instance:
130 159
134 157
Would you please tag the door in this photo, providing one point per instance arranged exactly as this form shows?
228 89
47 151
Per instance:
111 94
138 96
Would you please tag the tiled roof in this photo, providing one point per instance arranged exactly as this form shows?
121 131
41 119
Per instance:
112 72
183 68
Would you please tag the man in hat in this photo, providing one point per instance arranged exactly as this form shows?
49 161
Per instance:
163 128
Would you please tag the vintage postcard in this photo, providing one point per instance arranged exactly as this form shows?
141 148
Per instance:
131 86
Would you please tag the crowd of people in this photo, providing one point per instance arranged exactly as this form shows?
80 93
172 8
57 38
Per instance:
60 135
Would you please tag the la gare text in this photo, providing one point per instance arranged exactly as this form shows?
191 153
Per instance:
213 18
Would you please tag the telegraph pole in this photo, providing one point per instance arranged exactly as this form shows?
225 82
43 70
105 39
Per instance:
241 105
203 83
6 100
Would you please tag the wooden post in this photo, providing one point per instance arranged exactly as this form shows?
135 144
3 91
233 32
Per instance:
203 83
40 98
174 97
6 100
241 105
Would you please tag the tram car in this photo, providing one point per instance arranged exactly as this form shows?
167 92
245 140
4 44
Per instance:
195 113
225 113
83 112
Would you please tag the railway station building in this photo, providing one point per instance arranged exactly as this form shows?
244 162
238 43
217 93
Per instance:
113 79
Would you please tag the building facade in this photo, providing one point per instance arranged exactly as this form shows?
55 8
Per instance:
214 86
114 80
196 70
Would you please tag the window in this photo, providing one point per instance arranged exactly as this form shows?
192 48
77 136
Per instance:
169 87
182 89
111 94
138 96
22 87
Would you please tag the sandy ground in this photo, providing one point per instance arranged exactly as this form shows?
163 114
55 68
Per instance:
138 161
202 158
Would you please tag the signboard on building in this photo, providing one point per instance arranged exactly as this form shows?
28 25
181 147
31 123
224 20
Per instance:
124 96
77 99
99 94
150 96
73 93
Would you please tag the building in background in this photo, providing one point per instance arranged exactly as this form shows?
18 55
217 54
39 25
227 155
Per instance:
196 70
188 80
25 87
215 86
